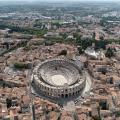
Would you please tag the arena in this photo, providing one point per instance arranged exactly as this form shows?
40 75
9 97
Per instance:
59 78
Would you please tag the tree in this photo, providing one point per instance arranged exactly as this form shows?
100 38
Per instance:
63 52
80 50
85 43
9 102
20 66
100 44
109 53
117 114
64 36
93 36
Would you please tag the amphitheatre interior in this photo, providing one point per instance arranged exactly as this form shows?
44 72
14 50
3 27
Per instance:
59 78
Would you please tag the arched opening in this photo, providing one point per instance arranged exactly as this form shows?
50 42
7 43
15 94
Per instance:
70 94
78 91
56 68
111 80
66 90
62 96
66 95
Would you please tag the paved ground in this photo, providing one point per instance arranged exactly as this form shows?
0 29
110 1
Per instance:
88 84
69 106
86 92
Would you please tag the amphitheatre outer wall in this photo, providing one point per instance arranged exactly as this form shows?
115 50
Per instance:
59 78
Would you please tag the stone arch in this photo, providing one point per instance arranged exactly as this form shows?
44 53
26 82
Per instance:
66 95
62 95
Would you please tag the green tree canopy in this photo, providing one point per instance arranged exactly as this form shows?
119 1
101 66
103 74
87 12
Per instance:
109 53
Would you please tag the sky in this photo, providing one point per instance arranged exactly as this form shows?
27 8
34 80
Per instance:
60 0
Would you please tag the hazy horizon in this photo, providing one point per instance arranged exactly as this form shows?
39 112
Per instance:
25 2
60 0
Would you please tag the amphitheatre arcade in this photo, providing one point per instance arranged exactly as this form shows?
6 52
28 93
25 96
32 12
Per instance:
59 78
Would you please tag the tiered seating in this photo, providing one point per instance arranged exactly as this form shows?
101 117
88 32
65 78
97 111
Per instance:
59 67
51 77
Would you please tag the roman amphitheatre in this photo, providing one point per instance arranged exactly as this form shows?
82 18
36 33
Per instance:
59 78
